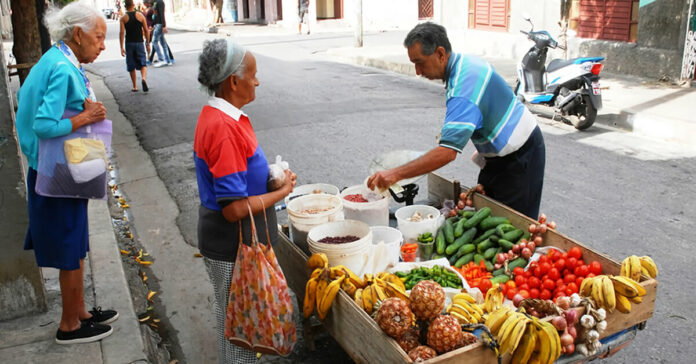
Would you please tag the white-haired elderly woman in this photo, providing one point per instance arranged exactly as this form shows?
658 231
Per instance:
58 230
232 171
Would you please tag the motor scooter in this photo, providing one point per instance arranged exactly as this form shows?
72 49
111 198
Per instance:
570 87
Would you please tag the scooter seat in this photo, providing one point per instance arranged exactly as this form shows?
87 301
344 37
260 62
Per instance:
558 63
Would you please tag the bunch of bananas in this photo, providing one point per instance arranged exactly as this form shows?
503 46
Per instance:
465 309
379 288
611 292
323 285
633 266
527 338
508 326
494 298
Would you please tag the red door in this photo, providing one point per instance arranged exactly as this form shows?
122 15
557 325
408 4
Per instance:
605 19
491 14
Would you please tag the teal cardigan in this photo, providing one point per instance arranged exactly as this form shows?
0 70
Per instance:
53 85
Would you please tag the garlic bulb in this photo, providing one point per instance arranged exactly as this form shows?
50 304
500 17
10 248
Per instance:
575 300
595 345
587 321
582 349
601 326
601 314
592 336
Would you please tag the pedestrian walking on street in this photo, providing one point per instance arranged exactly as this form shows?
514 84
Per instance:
133 28
303 12
149 15
231 168
482 108
58 229
160 27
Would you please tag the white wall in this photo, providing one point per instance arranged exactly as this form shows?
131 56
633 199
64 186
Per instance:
545 15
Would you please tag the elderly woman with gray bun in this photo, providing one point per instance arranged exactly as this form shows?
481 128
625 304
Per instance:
56 88
232 172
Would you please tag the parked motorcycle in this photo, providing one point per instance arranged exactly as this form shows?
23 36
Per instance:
570 87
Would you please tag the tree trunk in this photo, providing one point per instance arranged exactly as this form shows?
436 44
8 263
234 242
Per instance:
25 32
216 6
43 32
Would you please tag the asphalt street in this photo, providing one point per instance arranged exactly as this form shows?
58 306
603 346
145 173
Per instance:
618 193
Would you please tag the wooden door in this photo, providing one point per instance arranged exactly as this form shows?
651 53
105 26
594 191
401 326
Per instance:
425 9
608 19
491 14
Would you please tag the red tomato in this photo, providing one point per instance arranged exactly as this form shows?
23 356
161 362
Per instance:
544 267
558 294
554 274
569 278
578 281
596 267
537 272
568 291
485 285
533 265
534 282
518 271
572 287
545 294
511 293
528 273
534 293
551 252
520 280
570 263
590 275
524 286
524 293
579 263
556 255
561 288
575 252
510 284
564 256
543 259
560 282
505 288
559 264
566 271
549 284
582 271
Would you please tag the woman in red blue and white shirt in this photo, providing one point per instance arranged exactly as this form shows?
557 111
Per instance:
232 171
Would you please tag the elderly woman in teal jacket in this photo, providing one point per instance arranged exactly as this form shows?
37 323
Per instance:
56 87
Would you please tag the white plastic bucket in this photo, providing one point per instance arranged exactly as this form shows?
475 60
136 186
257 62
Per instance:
374 213
411 229
386 242
301 221
307 189
354 255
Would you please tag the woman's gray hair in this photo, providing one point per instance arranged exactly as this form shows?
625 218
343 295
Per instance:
219 60
62 22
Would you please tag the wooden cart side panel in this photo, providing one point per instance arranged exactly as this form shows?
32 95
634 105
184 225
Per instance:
617 321
476 353
293 261
359 334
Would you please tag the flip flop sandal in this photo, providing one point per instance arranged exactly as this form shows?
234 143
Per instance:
144 84
136 90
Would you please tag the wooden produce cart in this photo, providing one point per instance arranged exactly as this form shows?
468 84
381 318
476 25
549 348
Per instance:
360 336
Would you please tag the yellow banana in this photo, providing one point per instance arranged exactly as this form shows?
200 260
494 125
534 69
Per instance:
316 272
368 299
555 340
358 297
318 260
622 287
626 267
597 294
649 265
465 296
392 278
635 268
349 287
328 298
623 304
608 293
462 311
544 342
640 291
381 295
586 287
461 318
513 338
506 330
393 290
494 298
310 297
636 299
322 284
526 346
496 319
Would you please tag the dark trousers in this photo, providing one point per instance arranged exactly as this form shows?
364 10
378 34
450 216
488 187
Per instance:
517 179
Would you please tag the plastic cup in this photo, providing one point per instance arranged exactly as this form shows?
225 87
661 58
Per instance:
425 250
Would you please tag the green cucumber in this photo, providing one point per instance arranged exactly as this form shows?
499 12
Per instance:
452 259
449 232
504 228
489 265
498 272
459 228
440 242
513 235
486 234
478 258
464 239
519 262
437 256
494 238
465 259
500 279
477 218
465 214
505 244
489 253
493 221
466 249
484 245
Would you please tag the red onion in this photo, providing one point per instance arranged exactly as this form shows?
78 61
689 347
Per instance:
559 323
532 228
563 302
516 249
500 258
538 240
531 246
526 253
572 331
552 225
566 339
569 349
571 316
522 245
542 218
542 228
497 266
517 299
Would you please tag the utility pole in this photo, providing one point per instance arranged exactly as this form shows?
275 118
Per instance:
358 24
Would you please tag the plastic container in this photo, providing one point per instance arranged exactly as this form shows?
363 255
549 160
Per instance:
373 213
354 255
411 229
310 188
386 242
329 208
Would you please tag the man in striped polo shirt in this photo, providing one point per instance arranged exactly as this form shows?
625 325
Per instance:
482 108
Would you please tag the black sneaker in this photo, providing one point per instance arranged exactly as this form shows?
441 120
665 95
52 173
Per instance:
102 317
87 333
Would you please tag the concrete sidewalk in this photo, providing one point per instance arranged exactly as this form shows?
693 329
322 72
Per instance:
31 339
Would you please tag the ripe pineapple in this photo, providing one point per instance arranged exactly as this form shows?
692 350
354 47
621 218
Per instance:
394 317
421 353
427 300
409 340
466 339
444 334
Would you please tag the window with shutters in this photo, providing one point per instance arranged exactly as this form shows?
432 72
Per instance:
605 19
490 14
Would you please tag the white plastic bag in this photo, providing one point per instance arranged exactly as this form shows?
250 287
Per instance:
276 174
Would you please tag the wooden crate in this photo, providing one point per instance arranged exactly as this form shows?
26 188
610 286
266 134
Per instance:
359 335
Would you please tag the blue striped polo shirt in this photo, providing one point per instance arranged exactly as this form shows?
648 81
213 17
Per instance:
482 107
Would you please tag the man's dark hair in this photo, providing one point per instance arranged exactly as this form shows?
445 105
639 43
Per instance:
128 3
430 36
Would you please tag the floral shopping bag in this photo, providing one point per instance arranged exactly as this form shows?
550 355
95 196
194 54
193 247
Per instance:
259 310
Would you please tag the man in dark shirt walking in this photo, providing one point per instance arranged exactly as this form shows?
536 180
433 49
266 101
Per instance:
158 38
133 28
